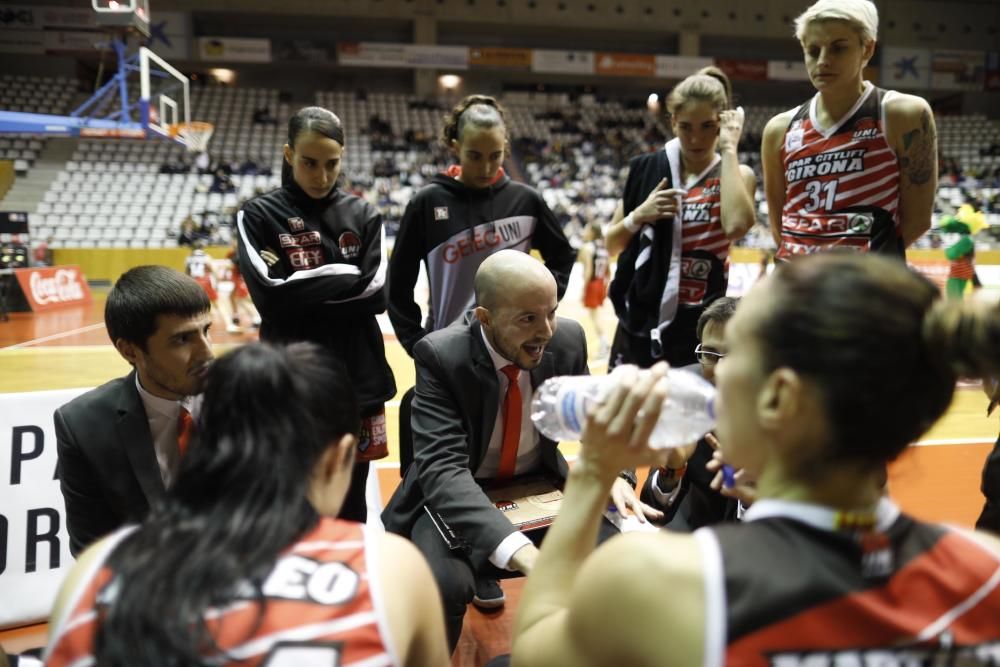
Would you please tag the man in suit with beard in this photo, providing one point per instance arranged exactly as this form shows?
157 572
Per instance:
119 445
471 428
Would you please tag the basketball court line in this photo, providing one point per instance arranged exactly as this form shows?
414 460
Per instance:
64 334
950 442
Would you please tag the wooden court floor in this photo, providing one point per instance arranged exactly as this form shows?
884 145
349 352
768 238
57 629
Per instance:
936 480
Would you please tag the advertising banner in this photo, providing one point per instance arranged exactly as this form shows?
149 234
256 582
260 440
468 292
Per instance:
47 288
905 68
678 67
787 70
746 70
383 54
170 35
234 50
958 70
625 64
500 57
562 62
34 543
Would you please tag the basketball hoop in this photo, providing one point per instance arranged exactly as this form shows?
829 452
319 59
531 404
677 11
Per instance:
195 134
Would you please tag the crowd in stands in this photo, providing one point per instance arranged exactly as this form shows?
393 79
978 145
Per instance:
575 153
242 481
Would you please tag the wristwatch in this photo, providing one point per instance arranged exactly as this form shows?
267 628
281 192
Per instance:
630 477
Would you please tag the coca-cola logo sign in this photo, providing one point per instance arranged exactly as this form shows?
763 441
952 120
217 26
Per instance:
53 287
62 287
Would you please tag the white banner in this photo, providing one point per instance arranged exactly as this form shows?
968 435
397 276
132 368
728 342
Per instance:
34 543
562 62
234 50
679 67
419 56
437 57
905 68
787 70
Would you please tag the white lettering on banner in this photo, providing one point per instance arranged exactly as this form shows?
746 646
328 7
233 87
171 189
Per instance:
62 287
34 544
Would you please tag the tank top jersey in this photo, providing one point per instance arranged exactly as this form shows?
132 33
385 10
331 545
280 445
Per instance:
841 182
199 267
234 266
704 245
788 587
600 261
320 608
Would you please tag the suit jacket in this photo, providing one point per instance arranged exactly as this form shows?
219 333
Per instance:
107 465
697 504
453 415
990 517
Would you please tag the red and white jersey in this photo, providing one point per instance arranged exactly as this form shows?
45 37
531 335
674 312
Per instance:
199 267
703 240
320 608
800 585
600 261
841 182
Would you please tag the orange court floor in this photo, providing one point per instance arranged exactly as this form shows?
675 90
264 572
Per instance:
938 479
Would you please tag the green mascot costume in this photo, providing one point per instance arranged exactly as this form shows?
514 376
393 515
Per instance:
962 254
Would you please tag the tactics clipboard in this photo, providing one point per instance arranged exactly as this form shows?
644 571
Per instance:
528 503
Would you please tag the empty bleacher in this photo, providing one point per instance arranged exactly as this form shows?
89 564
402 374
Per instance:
111 194
31 94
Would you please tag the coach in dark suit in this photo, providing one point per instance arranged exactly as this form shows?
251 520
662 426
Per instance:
118 444
464 374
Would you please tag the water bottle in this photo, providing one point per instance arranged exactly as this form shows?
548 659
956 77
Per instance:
559 407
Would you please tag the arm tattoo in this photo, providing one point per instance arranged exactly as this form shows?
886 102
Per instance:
918 163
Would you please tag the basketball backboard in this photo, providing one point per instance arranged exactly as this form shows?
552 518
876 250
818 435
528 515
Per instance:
164 94
146 98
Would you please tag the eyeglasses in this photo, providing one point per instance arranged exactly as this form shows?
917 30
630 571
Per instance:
707 357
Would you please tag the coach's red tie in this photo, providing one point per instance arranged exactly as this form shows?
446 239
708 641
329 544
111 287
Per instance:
511 423
184 426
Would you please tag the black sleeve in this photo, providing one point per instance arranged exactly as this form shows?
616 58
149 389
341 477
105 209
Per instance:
404 267
277 292
990 517
89 517
553 245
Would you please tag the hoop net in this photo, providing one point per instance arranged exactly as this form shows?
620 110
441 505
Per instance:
195 134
